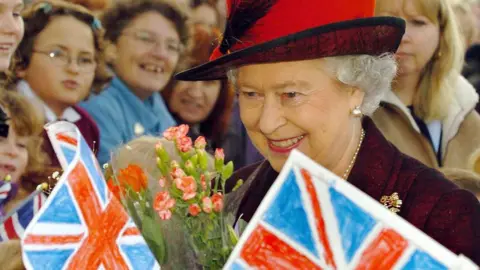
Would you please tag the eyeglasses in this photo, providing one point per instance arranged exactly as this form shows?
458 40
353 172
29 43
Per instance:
61 58
150 40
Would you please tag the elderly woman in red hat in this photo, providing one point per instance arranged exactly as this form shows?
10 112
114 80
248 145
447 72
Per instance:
308 75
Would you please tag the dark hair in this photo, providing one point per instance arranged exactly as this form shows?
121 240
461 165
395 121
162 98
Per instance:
204 42
117 18
37 16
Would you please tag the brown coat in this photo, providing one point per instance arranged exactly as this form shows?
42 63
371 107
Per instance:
460 130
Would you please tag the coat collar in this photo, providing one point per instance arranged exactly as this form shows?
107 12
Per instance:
463 103
70 114
152 113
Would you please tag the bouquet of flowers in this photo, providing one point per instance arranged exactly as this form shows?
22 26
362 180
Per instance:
186 215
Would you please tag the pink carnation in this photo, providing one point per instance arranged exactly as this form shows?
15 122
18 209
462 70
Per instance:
219 154
194 209
207 205
217 200
184 144
188 186
200 142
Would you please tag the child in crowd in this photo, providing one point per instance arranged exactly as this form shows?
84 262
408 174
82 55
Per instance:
23 164
58 62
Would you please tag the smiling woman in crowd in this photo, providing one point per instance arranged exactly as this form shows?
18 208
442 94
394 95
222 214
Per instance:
147 38
205 106
308 76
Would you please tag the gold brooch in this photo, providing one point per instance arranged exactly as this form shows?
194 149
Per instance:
392 202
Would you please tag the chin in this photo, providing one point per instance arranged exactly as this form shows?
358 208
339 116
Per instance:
4 63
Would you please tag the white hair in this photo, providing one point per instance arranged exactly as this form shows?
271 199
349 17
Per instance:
371 74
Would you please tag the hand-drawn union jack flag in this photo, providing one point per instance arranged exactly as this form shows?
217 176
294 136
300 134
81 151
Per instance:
306 222
14 227
82 226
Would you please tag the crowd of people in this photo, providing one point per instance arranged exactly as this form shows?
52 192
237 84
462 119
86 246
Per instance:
402 100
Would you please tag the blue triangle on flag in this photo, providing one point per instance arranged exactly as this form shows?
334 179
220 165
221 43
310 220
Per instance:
139 255
68 153
421 260
287 214
61 209
49 259
354 224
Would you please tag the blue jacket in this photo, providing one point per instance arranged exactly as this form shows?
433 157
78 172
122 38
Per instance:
121 116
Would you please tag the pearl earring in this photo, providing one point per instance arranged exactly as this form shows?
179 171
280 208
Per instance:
357 112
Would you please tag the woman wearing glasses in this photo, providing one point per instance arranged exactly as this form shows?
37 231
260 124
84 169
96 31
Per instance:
58 62
148 38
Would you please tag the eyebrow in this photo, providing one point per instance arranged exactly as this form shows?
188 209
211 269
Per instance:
292 83
65 48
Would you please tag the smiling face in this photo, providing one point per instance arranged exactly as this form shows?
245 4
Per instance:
57 82
296 105
147 53
422 34
13 155
194 101
11 30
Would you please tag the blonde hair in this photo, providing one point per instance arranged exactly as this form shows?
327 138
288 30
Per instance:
437 83
28 122
466 20
141 152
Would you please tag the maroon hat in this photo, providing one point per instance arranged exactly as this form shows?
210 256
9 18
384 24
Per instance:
265 31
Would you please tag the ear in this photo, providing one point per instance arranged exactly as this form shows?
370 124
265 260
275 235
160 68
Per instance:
356 96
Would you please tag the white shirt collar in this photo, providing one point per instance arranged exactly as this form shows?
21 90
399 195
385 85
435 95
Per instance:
70 114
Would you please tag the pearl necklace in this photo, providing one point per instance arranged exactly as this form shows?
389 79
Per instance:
345 175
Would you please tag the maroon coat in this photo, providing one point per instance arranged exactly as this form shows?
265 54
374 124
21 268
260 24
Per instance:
432 203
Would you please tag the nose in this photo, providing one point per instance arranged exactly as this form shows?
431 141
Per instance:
72 66
196 89
159 50
407 35
11 150
272 116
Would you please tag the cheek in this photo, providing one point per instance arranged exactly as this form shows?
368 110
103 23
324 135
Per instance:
172 62
249 116
174 102
23 161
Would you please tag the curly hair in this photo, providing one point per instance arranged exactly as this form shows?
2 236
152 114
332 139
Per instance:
27 122
117 18
37 16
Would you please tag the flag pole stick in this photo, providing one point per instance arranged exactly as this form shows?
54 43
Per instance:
40 189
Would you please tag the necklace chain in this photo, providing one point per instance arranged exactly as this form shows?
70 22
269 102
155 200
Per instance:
345 175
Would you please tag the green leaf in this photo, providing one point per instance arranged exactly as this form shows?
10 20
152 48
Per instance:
153 233
227 172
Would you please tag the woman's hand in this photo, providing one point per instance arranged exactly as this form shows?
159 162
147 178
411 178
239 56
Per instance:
11 255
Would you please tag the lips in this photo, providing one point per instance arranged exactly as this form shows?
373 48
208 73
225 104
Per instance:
285 145
70 84
6 47
8 168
